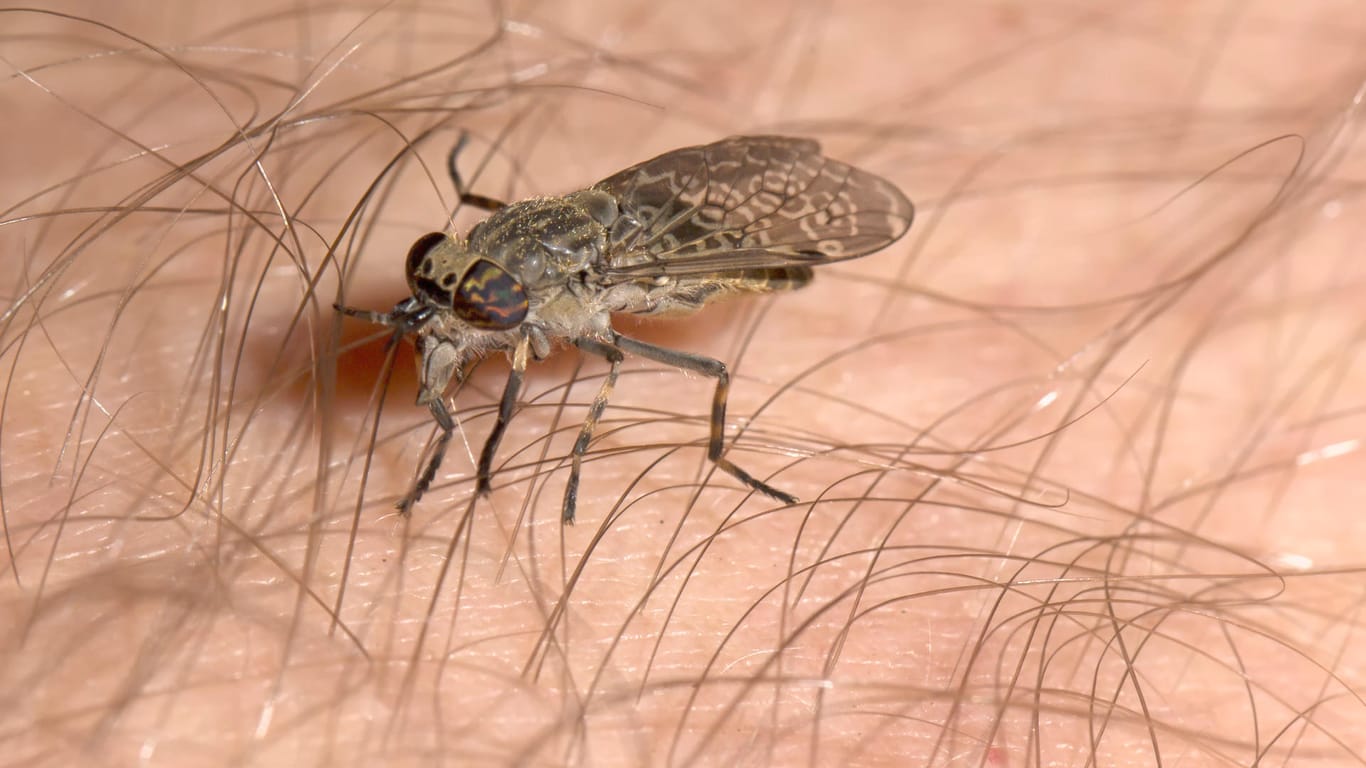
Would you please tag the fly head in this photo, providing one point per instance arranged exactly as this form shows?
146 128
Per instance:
481 293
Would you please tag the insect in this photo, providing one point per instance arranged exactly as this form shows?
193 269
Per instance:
745 215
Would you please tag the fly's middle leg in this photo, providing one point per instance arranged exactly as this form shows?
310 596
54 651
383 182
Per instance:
505 406
717 370
467 197
614 358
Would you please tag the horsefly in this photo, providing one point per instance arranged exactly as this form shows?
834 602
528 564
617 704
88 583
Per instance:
748 214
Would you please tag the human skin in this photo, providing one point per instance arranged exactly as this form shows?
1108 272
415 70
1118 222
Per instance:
1077 458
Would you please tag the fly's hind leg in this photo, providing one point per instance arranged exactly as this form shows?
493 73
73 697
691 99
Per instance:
717 370
467 197
614 358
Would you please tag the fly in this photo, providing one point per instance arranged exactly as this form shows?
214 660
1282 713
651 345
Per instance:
745 215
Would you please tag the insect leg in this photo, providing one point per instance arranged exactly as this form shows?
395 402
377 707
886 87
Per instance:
614 357
447 424
505 406
439 361
717 370
467 197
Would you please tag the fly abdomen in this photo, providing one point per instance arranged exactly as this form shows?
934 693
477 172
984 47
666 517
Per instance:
772 279
684 295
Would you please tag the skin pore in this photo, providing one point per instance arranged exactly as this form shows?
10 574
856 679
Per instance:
1078 458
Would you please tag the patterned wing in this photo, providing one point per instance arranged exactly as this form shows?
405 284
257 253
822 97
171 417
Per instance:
747 202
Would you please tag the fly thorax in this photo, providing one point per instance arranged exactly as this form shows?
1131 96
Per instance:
544 241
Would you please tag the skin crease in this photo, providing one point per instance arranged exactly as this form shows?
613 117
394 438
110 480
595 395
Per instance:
1082 447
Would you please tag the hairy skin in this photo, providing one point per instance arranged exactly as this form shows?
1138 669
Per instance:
1077 459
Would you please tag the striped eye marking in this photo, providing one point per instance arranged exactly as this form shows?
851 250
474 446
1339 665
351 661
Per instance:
489 298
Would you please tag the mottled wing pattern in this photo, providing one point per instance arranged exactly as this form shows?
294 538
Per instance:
746 202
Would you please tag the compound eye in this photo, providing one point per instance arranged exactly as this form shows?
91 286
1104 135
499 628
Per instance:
421 270
419 261
489 298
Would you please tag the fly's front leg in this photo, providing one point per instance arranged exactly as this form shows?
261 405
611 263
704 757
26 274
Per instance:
467 197
440 361
447 425
505 406
717 370
614 358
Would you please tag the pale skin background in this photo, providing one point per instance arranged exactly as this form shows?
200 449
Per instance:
1078 457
